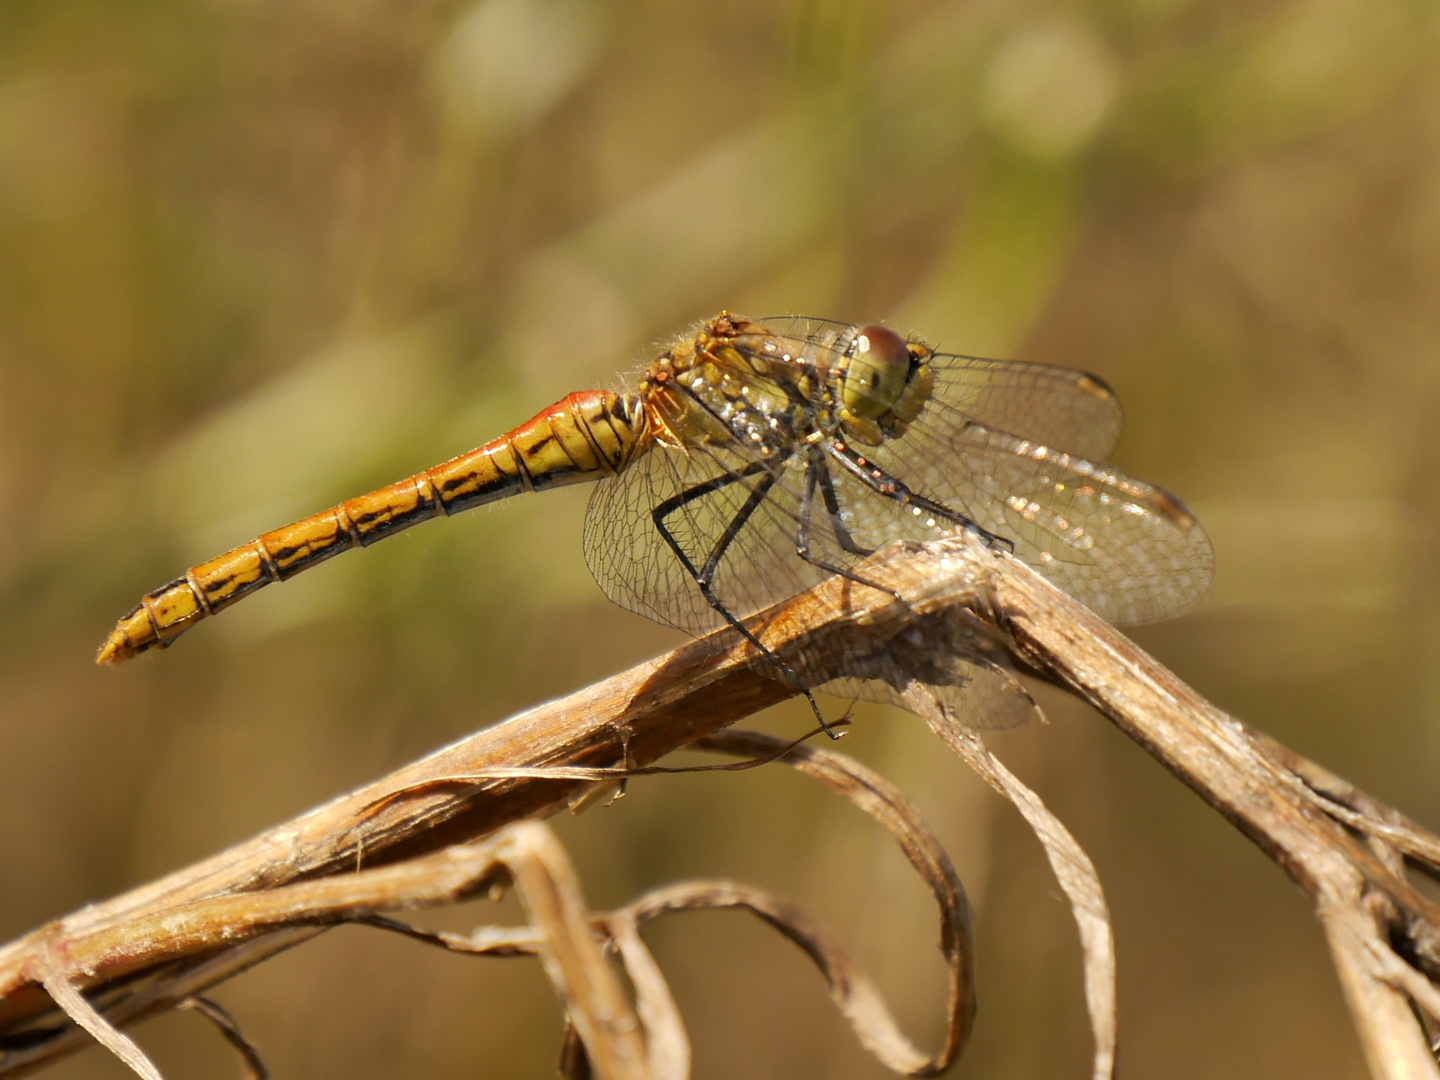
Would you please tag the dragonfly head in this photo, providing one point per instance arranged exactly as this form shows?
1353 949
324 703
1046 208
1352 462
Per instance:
886 383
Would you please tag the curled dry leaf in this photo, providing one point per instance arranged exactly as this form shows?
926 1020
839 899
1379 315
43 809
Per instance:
591 994
252 1067
1072 867
603 1033
853 993
665 1037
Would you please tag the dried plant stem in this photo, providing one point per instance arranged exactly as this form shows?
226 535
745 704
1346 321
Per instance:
1268 796
1345 849
1073 870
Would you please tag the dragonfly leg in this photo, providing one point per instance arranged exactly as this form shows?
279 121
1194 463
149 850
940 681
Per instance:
882 483
817 473
821 473
703 577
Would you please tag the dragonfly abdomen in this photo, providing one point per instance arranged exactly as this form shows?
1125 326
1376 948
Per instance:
583 436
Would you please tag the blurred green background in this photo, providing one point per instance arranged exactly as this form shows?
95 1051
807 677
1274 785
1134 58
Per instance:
259 256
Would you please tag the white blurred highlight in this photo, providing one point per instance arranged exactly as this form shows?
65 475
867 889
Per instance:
1049 88
506 63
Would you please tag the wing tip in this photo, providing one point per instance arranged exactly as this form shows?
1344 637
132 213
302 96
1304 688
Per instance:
1172 510
1097 387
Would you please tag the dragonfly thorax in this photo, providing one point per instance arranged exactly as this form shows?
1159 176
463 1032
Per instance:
708 391
738 382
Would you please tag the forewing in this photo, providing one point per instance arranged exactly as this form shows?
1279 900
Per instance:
1059 407
1016 448
1130 552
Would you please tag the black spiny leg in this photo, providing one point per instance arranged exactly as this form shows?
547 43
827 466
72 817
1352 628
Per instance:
704 577
817 473
832 507
882 483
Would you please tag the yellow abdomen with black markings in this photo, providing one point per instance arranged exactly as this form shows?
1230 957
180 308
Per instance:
582 437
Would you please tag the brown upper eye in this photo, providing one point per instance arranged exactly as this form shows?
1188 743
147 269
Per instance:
883 344
877 372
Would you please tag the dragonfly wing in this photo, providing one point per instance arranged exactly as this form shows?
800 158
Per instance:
1129 551
961 662
707 490
1060 407
638 570
984 696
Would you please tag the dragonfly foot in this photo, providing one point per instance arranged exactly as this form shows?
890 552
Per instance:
994 541
829 731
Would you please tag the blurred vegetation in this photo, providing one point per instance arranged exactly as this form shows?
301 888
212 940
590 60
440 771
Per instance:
256 257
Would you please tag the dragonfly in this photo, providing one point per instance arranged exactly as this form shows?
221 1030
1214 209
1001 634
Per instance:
754 458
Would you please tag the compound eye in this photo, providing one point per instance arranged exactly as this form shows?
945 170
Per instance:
876 375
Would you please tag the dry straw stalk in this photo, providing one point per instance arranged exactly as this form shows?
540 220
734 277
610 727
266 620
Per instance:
443 828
